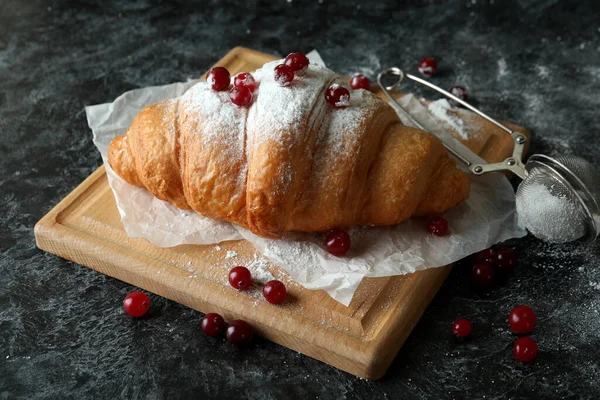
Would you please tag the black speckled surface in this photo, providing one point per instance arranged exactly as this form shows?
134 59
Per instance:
62 330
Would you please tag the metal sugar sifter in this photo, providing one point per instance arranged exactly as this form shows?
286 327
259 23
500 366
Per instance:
559 198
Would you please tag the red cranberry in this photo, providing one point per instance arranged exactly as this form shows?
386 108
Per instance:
360 81
337 242
283 75
437 226
483 274
525 349
238 332
213 324
298 62
337 96
487 256
274 291
522 319
428 66
506 260
240 278
240 95
136 304
459 92
461 328
218 78
245 79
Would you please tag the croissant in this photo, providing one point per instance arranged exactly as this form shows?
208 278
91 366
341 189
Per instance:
289 161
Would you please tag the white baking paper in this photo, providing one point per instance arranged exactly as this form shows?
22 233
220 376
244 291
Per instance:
486 218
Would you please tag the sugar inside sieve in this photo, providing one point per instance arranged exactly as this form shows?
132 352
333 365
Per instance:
559 198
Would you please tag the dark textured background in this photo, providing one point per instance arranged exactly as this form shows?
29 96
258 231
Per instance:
62 330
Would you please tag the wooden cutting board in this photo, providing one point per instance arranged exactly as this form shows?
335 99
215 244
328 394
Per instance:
361 339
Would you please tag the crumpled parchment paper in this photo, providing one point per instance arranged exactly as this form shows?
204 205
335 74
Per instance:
486 218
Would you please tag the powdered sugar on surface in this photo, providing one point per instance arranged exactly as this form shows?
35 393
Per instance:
231 254
502 68
441 111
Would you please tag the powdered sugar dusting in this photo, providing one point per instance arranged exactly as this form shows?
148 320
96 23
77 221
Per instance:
231 254
279 108
280 118
339 134
223 123
440 110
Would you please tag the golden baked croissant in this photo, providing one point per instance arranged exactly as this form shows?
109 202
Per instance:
289 161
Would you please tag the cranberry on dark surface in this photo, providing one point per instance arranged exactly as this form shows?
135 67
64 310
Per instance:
337 242
213 324
487 256
337 96
240 278
461 328
298 62
274 291
218 78
283 75
483 274
525 349
360 81
239 332
428 66
522 319
437 226
136 304
506 260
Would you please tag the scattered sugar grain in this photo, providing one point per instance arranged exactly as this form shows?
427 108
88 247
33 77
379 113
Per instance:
231 254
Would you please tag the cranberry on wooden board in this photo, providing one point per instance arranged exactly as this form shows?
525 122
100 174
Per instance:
525 349
506 260
483 274
241 96
298 62
240 278
239 332
245 79
213 324
428 66
283 75
218 78
274 291
522 319
461 328
337 96
337 242
437 226
136 304
360 81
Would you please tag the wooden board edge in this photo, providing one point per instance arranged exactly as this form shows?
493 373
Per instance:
395 332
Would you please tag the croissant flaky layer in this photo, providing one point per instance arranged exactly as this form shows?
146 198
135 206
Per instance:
288 162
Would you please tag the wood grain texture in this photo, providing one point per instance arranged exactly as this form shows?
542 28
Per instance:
361 339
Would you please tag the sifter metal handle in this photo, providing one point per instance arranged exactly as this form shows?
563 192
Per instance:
513 163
